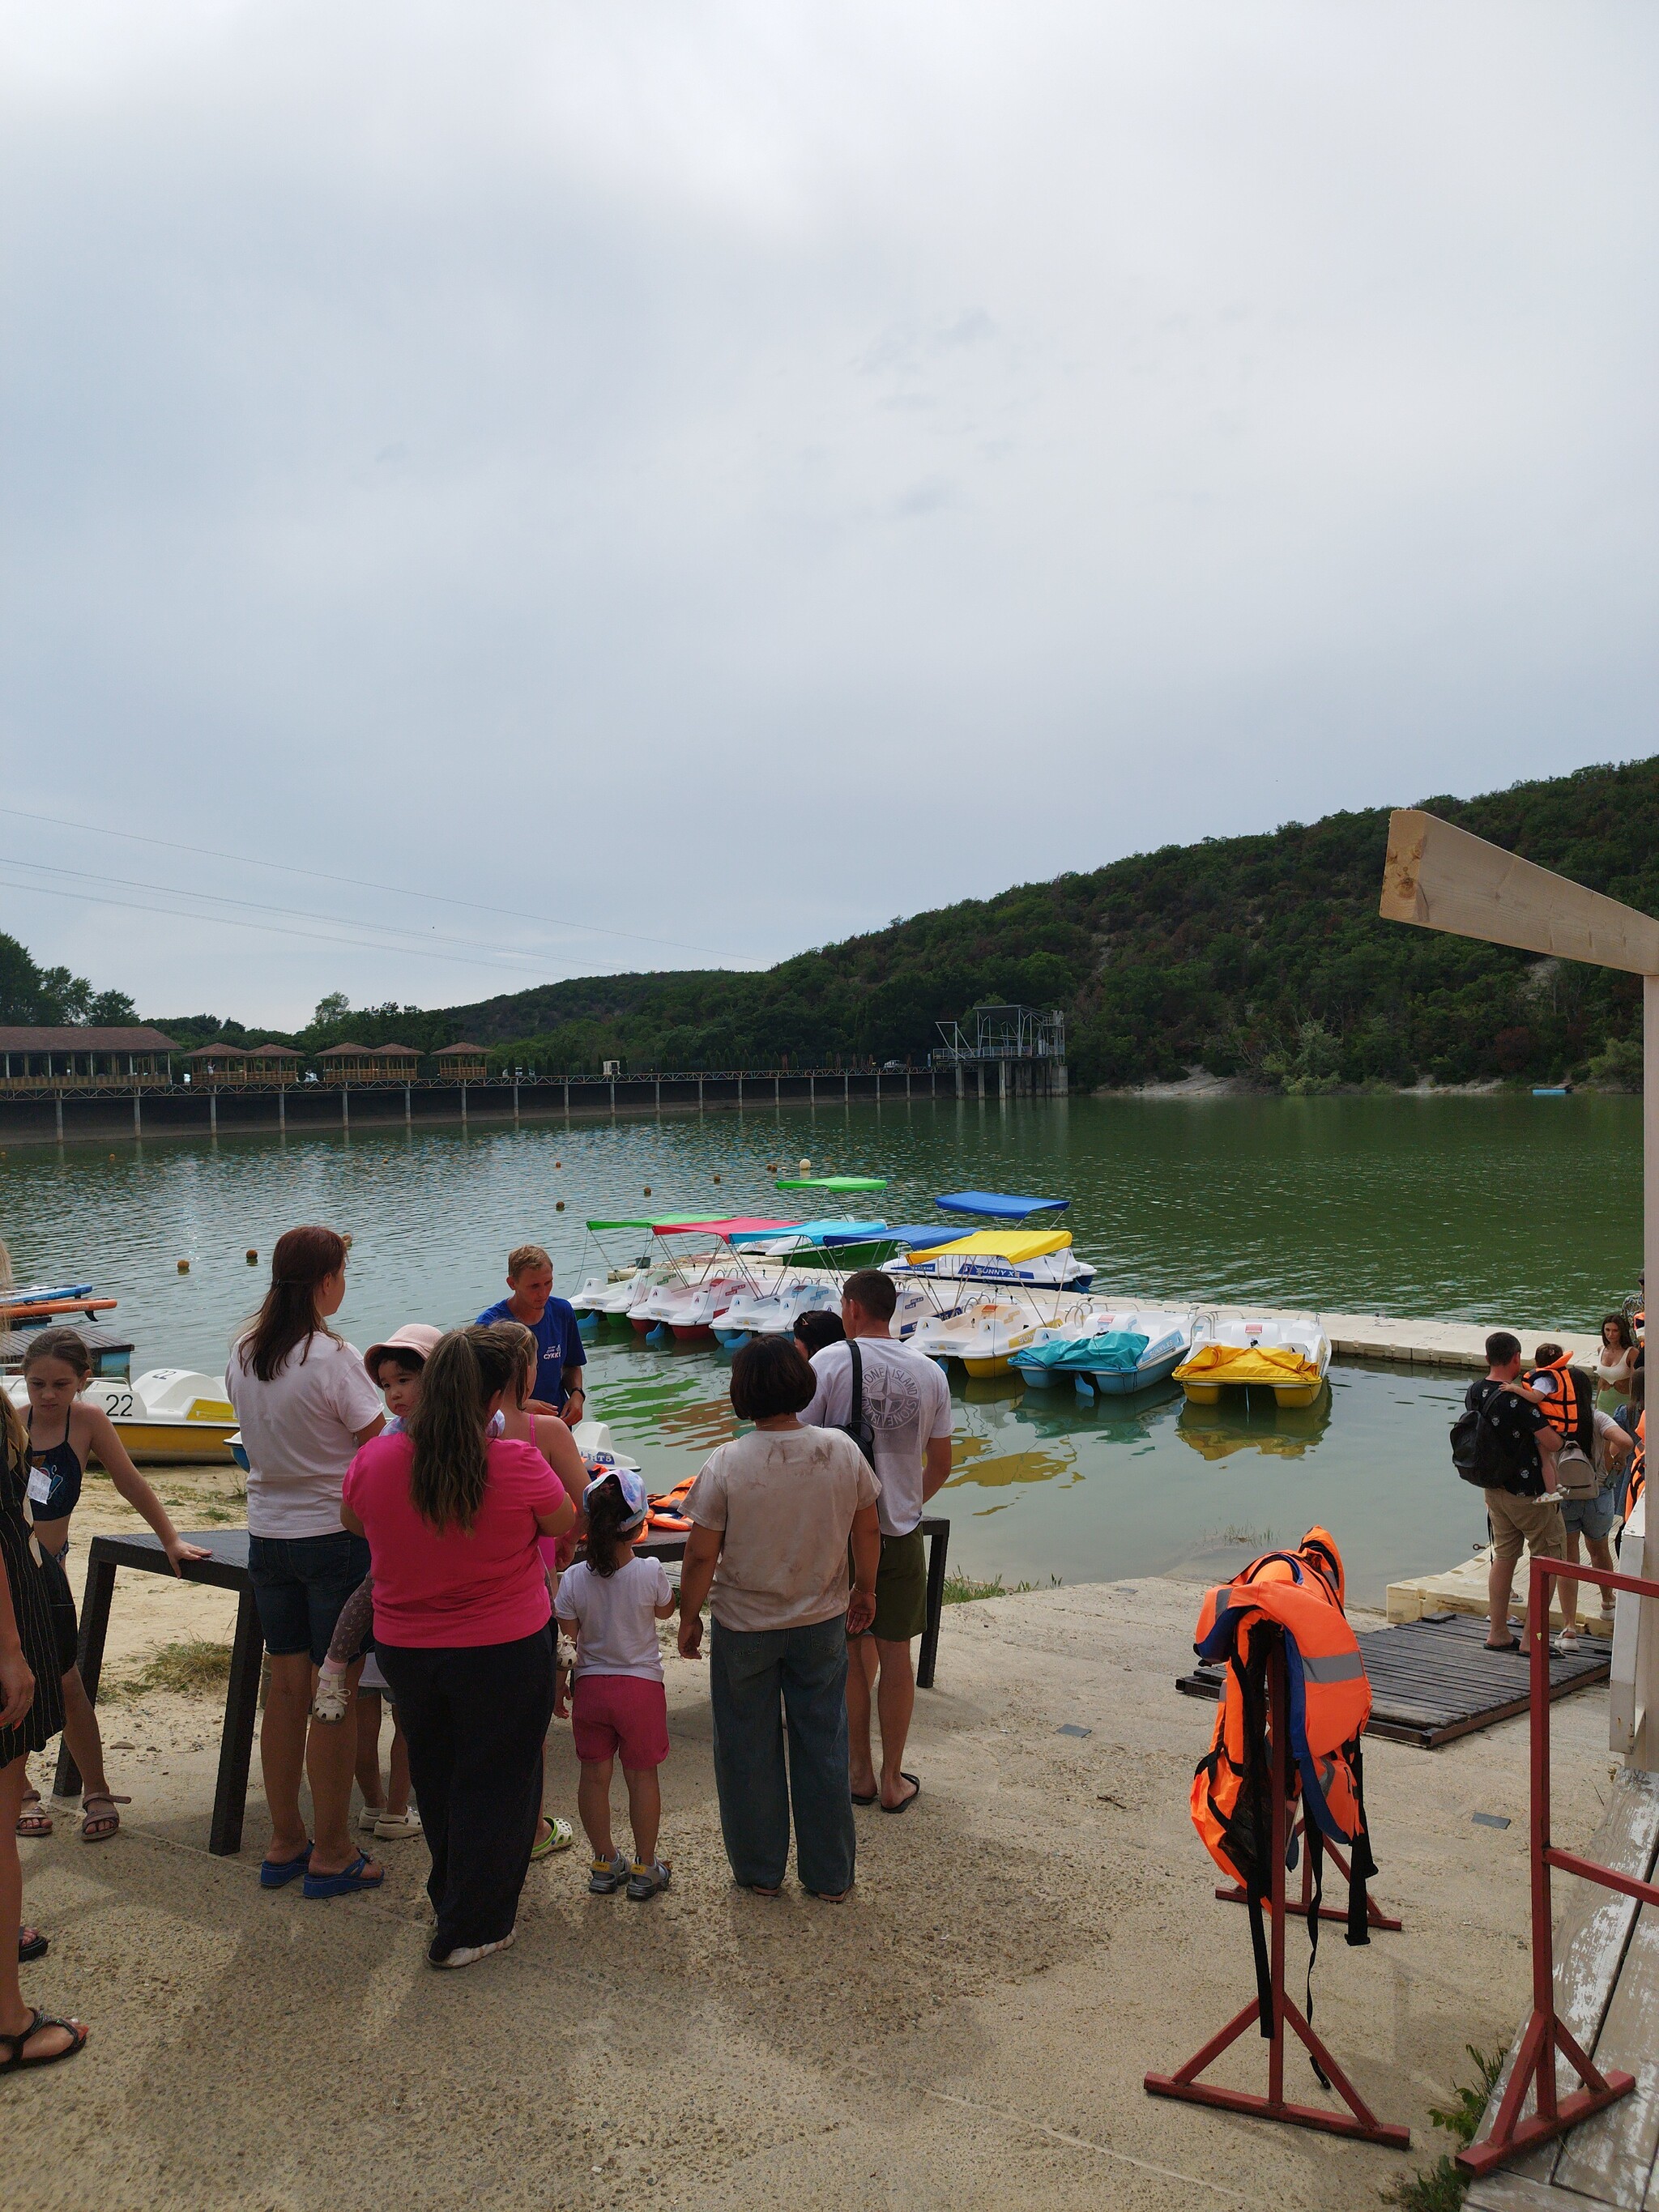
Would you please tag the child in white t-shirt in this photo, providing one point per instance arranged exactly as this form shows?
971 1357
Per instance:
609 1604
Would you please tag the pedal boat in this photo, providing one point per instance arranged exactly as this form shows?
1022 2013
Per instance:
170 1417
1289 1356
1112 1354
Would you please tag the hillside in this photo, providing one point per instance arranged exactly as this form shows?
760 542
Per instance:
1262 957
1258 956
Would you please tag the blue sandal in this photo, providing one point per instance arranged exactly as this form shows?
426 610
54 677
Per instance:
277 1873
343 1884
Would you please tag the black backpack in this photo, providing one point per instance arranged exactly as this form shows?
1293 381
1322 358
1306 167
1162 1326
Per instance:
1477 1451
858 1428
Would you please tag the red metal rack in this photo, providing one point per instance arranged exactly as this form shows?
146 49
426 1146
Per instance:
1358 2120
1545 2032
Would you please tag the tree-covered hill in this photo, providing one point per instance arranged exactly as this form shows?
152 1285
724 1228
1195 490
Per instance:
1262 957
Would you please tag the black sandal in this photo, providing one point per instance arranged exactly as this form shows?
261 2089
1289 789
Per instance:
1514 1644
31 1945
16 2060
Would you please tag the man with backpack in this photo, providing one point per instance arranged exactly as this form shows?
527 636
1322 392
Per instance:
1505 1441
895 1406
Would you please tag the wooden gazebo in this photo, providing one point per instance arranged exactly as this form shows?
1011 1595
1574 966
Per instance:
368 1063
77 1058
214 1067
462 1063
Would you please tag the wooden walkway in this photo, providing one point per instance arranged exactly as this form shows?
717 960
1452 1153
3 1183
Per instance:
1431 1681
1607 1990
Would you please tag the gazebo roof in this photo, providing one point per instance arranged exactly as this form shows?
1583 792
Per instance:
454 1051
75 1039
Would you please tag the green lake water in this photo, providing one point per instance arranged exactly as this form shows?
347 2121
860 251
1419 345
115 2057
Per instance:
1472 1208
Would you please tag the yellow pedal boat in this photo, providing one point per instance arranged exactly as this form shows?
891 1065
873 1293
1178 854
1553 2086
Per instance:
1288 1355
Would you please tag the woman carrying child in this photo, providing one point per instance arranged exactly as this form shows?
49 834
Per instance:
395 1369
62 1433
551 1437
453 1515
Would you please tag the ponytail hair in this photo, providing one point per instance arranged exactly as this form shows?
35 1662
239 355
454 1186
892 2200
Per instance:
66 1344
608 1513
451 1464
303 1261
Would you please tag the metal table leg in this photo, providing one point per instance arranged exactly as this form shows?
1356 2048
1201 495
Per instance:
938 1534
236 1740
89 1657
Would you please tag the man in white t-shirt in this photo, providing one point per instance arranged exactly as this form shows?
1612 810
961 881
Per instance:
906 1435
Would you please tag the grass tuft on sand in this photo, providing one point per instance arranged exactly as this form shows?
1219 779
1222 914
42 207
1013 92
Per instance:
1442 2187
195 1666
962 1590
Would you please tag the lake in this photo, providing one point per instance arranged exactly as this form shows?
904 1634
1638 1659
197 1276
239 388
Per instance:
1466 1208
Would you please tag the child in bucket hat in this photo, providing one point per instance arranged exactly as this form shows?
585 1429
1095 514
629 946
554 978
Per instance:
609 1604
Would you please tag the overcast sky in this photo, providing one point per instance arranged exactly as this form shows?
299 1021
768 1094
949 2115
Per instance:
733 473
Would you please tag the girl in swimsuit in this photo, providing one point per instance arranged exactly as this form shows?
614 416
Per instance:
63 1432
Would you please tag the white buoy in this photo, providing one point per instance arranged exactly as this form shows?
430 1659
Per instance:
806 1168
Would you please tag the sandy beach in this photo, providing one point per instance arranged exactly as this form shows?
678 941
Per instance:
972 2028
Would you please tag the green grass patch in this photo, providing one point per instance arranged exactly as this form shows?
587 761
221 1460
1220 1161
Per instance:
1443 2186
962 1590
193 1668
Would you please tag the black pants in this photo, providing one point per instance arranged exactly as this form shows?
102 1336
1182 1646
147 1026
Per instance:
475 1720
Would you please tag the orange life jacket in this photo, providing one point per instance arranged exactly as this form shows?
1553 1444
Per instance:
1296 1596
1571 1406
1639 1465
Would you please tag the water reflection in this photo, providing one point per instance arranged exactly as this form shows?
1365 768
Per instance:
1251 1420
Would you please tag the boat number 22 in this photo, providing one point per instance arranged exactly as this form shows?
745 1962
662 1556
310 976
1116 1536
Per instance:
118 1405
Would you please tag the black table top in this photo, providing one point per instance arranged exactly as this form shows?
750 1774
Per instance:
227 1568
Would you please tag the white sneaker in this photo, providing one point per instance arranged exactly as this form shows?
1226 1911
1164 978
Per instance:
397 1828
469 1955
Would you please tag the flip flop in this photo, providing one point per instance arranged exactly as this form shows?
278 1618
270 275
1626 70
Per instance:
31 1944
277 1873
16 2060
858 1799
1514 1644
346 1882
905 1803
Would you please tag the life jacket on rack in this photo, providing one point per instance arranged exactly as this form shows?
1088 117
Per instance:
1296 1596
1571 1406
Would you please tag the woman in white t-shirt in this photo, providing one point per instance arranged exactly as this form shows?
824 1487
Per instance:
775 1515
305 1404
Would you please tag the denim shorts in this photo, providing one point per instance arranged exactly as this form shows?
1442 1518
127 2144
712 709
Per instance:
1592 1516
300 1585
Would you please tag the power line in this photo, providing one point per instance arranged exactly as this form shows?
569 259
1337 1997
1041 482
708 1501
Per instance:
319 875
260 906
263 928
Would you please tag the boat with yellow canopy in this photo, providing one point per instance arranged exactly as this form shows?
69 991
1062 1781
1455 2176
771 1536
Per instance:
1287 1354
1038 1258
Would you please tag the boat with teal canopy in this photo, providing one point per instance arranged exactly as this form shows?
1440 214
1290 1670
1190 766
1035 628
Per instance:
838 1243
1112 1354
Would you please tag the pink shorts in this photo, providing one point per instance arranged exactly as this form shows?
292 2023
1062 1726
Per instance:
620 1713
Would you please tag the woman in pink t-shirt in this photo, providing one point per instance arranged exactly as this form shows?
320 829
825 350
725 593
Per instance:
462 1629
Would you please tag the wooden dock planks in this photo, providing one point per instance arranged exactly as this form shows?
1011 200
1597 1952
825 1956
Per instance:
1433 1681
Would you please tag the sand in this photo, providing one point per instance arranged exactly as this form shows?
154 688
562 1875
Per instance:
1037 1932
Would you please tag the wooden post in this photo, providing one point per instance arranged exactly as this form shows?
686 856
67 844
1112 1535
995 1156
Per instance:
409 1111
515 1100
213 1111
137 1118
462 1104
345 1106
58 1097
282 1107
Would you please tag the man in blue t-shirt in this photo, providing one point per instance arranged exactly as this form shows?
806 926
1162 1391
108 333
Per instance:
552 1323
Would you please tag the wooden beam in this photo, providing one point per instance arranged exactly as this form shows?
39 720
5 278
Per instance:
1441 877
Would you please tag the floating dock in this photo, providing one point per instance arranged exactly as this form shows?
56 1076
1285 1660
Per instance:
1431 1681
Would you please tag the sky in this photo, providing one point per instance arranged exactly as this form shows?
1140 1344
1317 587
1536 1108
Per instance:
518 490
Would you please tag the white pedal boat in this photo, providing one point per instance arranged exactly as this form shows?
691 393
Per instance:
171 1416
1168 1332
1287 1353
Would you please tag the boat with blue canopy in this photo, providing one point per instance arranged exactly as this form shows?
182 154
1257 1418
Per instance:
999 1206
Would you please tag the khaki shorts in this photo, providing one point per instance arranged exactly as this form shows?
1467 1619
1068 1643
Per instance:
900 1588
1534 1521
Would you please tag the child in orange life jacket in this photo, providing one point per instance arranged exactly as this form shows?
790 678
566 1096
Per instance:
1591 1517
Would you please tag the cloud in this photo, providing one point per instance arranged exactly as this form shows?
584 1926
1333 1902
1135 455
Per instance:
724 472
